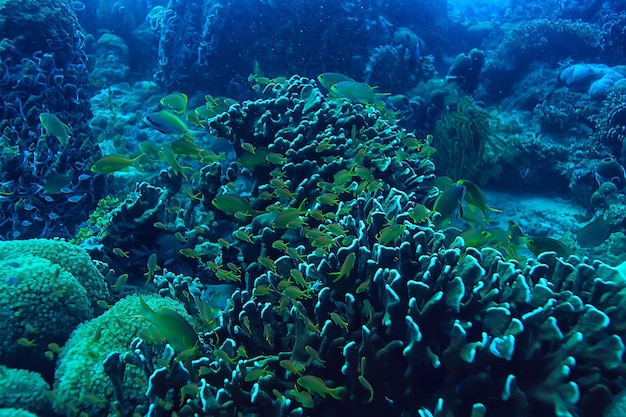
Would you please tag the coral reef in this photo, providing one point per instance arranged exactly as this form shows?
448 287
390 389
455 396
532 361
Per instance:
537 39
347 300
44 177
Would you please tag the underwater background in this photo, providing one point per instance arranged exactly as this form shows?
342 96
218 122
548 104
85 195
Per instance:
312 208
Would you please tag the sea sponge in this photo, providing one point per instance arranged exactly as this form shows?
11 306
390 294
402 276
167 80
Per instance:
47 288
80 380
20 388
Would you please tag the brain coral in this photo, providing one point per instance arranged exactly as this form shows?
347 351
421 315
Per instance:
22 388
48 288
80 380
15 412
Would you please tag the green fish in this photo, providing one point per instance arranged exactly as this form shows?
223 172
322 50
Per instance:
232 204
448 203
175 102
55 127
595 233
166 122
539 244
57 184
168 155
112 163
316 385
355 91
475 198
176 330
328 79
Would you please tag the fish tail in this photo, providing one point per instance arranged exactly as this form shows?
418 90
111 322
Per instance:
336 392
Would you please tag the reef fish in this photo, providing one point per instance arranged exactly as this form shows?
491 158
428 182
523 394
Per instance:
166 122
316 385
448 203
595 233
176 330
540 244
328 79
175 102
55 127
112 163
360 92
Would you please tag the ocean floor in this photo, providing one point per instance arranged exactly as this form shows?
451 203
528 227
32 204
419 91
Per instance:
556 217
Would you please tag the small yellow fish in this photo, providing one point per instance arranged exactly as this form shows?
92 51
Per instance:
316 385
120 252
242 235
166 122
189 253
292 366
254 373
225 275
247 146
314 354
390 233
112 163
346 267
152 267
268 334
448 204
267 263
121 280
176 330
167 153
328 79
339 320
190 390
298 276
328 199
232 204
55 127
176 102
292 292
540 244
276 158
23 341
261 290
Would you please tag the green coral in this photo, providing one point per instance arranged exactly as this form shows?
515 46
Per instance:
48 287
20 388
80 377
